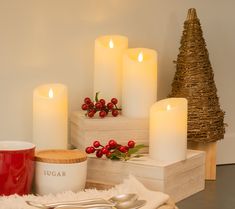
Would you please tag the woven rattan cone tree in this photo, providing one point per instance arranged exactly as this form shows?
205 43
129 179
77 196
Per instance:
194 80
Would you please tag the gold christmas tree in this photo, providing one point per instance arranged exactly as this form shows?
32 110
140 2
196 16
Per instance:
194 80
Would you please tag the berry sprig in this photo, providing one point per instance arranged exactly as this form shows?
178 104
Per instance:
99 105
115 151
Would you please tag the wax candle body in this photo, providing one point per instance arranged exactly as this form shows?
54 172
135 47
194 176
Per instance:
168 130
139 82
108 66
50 116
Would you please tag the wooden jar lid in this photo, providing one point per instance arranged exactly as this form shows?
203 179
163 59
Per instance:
60 156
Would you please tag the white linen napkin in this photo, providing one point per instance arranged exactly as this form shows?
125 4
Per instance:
131 185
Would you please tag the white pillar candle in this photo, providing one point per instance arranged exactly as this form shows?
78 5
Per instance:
168 130
50 113
108 65
139 91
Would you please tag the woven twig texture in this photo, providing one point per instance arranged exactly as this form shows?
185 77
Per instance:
194 80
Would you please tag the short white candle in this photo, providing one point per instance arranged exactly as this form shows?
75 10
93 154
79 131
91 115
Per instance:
50 113
139 91
108 65
168 130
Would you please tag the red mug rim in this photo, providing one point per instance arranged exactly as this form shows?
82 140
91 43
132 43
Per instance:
15 146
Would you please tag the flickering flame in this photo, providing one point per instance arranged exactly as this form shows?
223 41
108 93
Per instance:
140 57
51 93
168 107
111 44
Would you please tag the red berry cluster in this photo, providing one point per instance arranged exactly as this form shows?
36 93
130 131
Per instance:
113 150
100 106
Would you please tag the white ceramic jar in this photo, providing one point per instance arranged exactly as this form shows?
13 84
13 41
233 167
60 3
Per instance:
60 170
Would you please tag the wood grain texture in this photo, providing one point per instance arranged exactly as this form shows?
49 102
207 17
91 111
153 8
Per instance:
178 179
108 123
210 149
60 156
85 130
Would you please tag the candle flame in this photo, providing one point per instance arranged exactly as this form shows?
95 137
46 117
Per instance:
111 44
51 93
168 107
140 57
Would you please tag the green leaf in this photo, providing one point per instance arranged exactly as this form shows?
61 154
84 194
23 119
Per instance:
136 149
114 157
140 146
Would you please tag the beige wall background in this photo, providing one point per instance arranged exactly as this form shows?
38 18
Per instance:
45 41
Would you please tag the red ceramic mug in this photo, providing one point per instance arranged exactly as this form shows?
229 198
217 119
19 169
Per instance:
16 167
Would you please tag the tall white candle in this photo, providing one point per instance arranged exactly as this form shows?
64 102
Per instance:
50 113
168 130
108 65
139 91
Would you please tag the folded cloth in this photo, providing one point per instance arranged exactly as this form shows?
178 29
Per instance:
131 185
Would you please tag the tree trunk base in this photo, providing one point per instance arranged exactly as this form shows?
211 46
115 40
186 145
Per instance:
210 149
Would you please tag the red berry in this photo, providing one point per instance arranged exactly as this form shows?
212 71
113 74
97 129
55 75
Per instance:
115 113
96 144
104 150
92 149
102 101
98 105
84 107
122 149
131 144
114 101
110 105
87 100
99 153
102 114
89 150
107 147
91 113
112 143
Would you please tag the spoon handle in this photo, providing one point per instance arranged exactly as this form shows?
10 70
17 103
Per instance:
88 206
88 203
79 202
79 207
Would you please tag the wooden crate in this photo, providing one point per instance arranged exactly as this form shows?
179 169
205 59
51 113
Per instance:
178 179
85 130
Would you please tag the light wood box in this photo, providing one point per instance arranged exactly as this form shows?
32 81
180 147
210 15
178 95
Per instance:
85 130
178 179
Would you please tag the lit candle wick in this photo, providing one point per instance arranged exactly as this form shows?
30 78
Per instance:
51 93
140 57
111 44
168 107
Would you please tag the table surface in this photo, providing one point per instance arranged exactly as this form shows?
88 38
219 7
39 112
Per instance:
218 194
